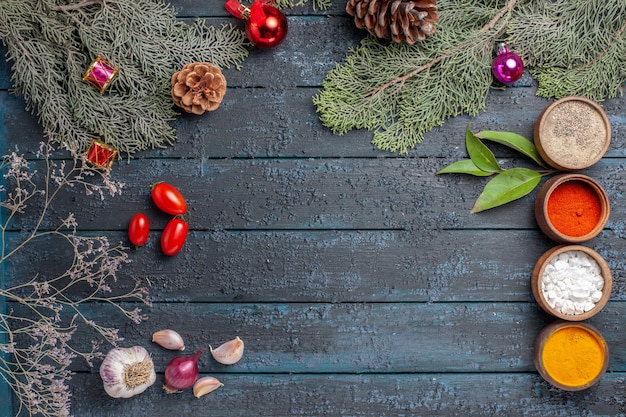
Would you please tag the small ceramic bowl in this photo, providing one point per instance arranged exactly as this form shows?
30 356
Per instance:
538 286
554 353
551 229
572 133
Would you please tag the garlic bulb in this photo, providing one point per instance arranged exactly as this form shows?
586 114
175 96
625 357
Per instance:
168 339
205 385
228 353
127 371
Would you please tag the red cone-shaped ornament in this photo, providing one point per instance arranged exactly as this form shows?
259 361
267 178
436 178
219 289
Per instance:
266 26
507 66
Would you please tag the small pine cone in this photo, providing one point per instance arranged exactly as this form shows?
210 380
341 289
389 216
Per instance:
398 20
198 87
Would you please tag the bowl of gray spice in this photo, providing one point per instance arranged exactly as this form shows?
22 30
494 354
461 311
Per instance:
572 133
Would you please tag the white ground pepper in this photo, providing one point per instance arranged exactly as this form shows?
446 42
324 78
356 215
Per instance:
574 134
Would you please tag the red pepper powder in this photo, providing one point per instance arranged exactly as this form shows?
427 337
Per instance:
574 208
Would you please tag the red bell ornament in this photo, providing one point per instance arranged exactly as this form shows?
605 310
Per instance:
266 26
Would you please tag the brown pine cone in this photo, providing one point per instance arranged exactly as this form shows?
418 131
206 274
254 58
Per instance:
198 87
398 20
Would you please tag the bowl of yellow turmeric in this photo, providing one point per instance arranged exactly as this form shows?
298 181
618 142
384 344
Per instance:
571 356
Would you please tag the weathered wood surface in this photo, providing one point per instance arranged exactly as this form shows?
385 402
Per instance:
373 395
359 280
348 338
339 266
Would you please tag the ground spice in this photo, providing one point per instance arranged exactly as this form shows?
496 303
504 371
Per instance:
574 208
573 356
574 134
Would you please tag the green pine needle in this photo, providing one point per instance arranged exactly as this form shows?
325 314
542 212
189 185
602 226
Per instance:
400 92
573 47
51 43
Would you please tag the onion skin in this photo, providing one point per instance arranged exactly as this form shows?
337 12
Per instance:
181 372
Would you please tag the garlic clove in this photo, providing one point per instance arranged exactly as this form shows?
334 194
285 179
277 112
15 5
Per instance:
229 352
169 339
126 372
205 385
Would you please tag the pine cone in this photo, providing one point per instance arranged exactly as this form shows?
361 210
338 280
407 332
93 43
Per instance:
398 20
198 87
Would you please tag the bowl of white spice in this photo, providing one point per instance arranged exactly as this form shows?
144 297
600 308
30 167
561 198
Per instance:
572 282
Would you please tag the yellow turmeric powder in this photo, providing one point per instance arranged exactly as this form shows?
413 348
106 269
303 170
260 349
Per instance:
573 356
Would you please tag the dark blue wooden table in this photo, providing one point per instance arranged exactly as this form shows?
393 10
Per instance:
358 279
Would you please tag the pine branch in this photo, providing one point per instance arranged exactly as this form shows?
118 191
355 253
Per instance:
51 44
401 91
70 7
489 26
583 49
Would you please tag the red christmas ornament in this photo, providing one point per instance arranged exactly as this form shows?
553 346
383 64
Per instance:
100 154
266 26
100 73
507 66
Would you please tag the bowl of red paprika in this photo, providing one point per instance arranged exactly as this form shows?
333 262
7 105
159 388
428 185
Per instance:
572 208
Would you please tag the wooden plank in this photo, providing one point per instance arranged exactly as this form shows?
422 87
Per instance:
266 127
359 280
353 338
329 266
507 394
297 62
258 123
194 8
302 60
5 391
261 194
5 70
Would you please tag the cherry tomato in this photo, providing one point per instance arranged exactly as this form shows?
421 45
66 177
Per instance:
174 236
138 229
169 199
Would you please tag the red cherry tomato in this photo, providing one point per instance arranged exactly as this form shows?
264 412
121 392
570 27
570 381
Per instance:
174 236
169 199
138 229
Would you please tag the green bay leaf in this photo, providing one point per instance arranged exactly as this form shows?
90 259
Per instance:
505 187
480 154
465 166
513 141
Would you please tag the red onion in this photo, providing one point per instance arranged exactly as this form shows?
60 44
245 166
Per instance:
181 372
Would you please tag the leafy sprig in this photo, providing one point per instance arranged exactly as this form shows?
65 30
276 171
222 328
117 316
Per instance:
507 184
